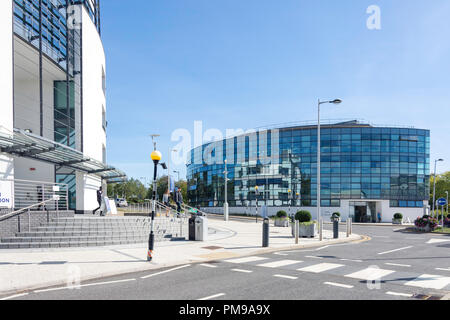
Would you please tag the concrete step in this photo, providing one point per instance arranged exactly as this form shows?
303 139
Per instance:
87 228
92 238
32 245
81 233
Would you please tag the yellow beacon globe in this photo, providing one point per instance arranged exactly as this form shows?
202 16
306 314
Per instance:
156 156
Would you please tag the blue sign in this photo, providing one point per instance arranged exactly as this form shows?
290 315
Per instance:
442 202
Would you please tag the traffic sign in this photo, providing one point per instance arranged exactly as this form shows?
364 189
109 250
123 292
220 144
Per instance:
442 202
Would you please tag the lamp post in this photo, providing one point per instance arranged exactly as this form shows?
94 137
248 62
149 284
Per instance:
256 196
290 201
434 185
168 167
156 157
225 205
178 175
446 192
297 198
319 215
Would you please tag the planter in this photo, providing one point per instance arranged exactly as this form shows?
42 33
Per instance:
336 219
397 221
424 229
305 231
284 223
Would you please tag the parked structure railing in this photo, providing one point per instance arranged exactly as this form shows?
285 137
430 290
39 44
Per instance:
27 193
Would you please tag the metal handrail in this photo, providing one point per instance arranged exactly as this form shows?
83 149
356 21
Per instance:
22 211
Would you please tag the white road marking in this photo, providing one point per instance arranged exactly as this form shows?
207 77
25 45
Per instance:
429 281
281 254
285 277
398 229
321 267
395 250
313 257
83 286
399 294
15 296
241 270
370 274
437 241
398 265
166 271
208 265
246 259
212 297
338 285
351 260
277 264
443 269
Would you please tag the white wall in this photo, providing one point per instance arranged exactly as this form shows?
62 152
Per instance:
6 83
94 102
387 213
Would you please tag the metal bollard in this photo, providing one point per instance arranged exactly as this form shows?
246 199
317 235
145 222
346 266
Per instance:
266 233
336 229
296 231
348 227
320 229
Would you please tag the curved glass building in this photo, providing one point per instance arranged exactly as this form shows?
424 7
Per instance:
365 171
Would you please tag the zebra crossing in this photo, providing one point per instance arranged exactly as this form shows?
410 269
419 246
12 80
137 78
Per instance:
347 271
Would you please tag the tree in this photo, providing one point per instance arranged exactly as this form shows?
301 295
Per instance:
132 190
442 185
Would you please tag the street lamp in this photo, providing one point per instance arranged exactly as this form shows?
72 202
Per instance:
290 201
225 205
319 215
168 167
156 157
256 196
434 185
178 173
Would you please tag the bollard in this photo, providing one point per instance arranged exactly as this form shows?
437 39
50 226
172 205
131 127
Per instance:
348 227
320 229
266 233
296 231
336 229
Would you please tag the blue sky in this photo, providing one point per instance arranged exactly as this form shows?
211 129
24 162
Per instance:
247 63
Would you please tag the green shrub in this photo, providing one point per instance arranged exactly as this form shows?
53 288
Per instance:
336 215
281 214
398 216
303 216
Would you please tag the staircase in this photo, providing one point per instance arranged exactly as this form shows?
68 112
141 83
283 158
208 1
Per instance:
96 231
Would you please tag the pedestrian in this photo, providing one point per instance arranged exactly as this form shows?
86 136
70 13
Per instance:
379 217
178 200
166 198
99 199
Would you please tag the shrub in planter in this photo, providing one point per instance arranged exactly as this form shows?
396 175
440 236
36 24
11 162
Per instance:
281 219
336 216
303 216
398 218
306 227
426 224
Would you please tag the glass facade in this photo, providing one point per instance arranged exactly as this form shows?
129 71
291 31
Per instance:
357 162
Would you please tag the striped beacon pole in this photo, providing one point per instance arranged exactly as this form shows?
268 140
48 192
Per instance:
156 157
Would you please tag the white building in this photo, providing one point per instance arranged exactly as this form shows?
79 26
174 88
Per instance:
52 100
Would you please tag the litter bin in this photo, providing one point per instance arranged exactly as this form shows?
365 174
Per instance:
201 228
192 228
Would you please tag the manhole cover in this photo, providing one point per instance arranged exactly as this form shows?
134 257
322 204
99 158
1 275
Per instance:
212 248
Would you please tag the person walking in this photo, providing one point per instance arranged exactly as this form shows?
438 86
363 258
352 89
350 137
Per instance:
166 202
178 200
99 199
379 217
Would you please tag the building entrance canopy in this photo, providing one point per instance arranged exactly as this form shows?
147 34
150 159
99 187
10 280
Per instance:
23 144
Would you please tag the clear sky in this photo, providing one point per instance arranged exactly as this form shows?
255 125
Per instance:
250 63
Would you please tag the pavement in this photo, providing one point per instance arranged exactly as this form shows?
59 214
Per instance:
31 269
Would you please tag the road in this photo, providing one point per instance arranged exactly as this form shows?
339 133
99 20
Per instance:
393 265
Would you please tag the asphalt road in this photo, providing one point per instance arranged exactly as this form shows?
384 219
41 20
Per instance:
393 265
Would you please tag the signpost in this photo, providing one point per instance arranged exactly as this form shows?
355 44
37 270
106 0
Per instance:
441 202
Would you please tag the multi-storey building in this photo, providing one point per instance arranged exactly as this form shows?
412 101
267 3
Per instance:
365 170
53 103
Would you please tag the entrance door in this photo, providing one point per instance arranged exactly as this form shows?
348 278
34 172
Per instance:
360 213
